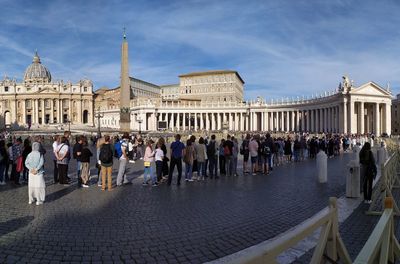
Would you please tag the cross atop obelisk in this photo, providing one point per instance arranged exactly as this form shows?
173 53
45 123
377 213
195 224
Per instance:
125 93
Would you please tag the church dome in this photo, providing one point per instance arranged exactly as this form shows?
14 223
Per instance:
36 71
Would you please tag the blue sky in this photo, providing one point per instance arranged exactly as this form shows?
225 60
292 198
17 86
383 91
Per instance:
280 48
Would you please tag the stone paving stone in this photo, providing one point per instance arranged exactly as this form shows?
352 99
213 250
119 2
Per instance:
193 223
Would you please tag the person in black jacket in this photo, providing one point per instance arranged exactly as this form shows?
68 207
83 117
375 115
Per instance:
367 170
85 163
25 153
3 161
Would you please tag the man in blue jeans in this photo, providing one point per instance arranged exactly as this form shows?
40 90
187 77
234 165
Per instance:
77 151
177 148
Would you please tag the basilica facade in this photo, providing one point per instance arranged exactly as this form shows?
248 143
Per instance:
39 101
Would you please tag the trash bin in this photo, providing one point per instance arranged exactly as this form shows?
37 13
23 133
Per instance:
322 166
353 180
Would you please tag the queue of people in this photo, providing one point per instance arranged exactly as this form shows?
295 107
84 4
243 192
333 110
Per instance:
202 158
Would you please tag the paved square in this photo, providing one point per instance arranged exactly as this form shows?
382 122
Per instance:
193 223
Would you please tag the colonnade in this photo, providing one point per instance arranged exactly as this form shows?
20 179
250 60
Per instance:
346 115
52 111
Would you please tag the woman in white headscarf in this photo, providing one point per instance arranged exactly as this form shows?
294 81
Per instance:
36 185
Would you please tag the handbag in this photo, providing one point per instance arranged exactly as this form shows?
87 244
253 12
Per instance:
20 166
147 163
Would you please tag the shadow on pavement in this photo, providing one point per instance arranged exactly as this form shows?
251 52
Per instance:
59 194
14 224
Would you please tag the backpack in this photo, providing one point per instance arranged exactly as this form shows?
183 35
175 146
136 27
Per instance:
211 149
106 155
244 147
118 149
227 151
266 150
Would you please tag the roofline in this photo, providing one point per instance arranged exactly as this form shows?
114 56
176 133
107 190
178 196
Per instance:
152 84
211 72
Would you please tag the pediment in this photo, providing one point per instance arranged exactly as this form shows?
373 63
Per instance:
370 88
47 91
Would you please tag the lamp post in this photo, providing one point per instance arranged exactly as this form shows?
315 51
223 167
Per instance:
69 124
139 120
98 115
156 116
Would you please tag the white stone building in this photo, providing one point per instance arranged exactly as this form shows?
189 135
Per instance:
355 110
39 101
213 100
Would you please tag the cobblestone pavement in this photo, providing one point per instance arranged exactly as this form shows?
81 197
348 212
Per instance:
192 223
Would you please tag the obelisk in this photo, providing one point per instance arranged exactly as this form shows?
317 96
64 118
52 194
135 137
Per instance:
125 93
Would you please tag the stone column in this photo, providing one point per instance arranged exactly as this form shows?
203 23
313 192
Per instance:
36 112
344 117
262 121
80 112
282 121
43 108
361 117
312 129
219 121
207 122
377 120
352 120
23 111
212 121
195 121
287 121
52 111
388 119
173 121
201 121
303 121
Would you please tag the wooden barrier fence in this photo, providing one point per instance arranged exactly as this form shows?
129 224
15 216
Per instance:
330 245
382 246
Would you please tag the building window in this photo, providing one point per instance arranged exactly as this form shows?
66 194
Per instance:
85 89
6 89
28 104
47 104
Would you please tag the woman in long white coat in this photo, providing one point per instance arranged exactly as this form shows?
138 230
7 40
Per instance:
36 185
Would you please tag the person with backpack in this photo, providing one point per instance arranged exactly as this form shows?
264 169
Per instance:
212 158
244 150
222 168
121 149
177 148
159 157
106 163
56 142
228 150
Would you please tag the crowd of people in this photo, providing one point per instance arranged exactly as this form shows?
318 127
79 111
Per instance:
203 158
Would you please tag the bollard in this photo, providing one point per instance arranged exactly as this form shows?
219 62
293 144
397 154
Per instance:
322 166
356 153
353 180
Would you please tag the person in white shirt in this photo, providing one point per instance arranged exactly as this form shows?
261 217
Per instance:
55 148
159 156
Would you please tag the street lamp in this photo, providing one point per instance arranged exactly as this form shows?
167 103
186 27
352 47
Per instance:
69 124
98 115
139 120
156 115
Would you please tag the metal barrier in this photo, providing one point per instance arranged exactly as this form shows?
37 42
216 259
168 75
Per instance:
389 179
382 246
330 244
